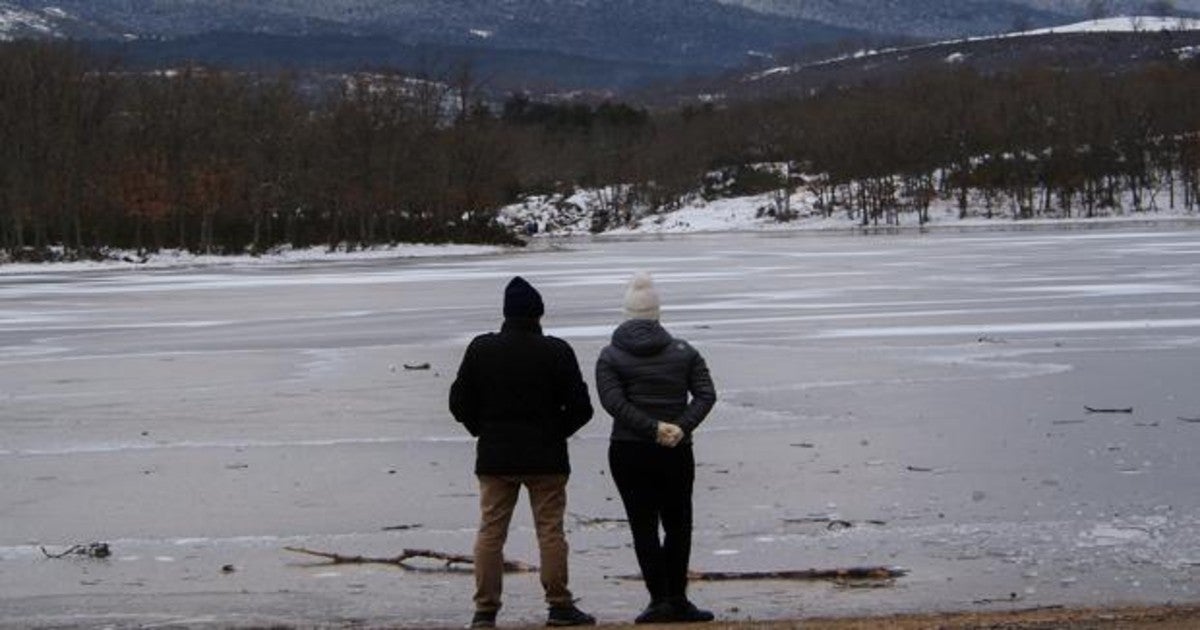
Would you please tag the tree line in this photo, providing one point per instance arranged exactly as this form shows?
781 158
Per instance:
95 156
1035 142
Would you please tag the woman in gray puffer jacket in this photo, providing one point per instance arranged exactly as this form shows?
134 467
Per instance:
644 379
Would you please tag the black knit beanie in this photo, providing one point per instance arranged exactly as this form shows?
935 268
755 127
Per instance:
522 300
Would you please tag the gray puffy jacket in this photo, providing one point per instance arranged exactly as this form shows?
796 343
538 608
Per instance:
645 376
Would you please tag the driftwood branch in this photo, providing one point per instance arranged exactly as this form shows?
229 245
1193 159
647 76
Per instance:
830 523
852 573
587 521
90 550
451 561
1110 410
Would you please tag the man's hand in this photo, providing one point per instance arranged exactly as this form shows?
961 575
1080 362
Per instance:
669 434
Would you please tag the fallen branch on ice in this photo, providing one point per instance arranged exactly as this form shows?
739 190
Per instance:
830 522
586 521
91 550
449 560
852 573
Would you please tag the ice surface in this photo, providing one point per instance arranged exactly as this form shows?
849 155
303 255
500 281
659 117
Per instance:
928 389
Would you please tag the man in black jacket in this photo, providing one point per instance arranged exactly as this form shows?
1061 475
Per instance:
521 393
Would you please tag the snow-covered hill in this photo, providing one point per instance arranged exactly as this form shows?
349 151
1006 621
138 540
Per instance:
955 18
38 20
1122 24
17 22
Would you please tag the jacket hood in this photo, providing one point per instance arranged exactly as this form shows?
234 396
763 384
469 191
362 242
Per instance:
641 337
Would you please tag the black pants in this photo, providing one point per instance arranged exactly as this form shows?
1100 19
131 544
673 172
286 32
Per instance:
656 486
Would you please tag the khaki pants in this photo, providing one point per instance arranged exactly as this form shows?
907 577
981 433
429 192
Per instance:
497 498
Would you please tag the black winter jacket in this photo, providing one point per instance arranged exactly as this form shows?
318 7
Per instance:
644 377
520 392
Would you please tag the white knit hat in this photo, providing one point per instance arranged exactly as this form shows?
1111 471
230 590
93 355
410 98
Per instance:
641 298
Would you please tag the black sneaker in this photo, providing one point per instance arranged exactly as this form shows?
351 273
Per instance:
656 612
483 619
685 611
569 616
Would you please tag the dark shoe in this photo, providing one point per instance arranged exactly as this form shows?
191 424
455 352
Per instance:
569 616
685 611
656 612
483 619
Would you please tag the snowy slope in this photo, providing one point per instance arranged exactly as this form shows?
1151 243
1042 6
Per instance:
951 18
1122 24
38 20
17 22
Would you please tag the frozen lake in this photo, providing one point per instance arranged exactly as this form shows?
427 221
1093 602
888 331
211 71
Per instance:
929 389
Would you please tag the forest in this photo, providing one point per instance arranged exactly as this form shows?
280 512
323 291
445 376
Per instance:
95 156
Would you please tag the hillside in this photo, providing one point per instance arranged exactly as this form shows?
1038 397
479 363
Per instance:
1110 45
915 18
956 18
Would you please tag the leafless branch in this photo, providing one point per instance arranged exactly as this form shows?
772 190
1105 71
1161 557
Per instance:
851 573
451 562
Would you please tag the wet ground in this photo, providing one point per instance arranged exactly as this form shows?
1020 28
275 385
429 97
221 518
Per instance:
911 400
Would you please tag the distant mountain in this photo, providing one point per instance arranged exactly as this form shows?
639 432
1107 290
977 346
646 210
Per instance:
520 43
688 32
573 43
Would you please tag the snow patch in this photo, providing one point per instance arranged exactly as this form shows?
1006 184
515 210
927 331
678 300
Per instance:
771 71
1121 24
1134 531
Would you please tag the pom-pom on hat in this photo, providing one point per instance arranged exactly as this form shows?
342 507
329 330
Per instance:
641 298
522 300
